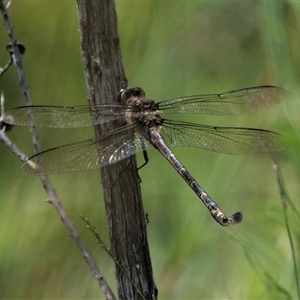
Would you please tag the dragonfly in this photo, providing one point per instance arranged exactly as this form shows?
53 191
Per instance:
145 128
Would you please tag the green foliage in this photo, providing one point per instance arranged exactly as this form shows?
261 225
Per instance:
169 49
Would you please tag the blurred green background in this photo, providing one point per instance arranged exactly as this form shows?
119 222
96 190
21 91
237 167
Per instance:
169 49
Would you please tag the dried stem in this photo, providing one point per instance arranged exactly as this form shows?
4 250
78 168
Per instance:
105 76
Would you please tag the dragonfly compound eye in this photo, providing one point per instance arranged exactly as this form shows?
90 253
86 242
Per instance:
127 93
138 92
122 95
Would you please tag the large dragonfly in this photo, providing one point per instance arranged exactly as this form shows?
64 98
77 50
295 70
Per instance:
145 128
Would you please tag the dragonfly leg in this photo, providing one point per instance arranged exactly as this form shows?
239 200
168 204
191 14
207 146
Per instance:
127 165
146 158
143 165
147 218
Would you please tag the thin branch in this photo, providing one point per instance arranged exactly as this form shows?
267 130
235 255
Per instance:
286 202
6 67
14 149
107 250
17 60
3 138
53 198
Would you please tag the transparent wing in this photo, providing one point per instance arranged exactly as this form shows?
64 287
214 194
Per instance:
88 154
230 103
64 116
229 140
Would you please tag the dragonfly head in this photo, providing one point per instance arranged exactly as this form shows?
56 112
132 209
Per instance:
127 93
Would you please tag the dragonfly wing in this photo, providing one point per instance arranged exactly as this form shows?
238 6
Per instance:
125 143
230 103
64 116
67 158
89 154
229 140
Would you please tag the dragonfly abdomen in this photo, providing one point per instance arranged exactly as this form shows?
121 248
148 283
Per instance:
158 142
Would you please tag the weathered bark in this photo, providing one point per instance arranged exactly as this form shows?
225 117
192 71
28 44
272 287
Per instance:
126 219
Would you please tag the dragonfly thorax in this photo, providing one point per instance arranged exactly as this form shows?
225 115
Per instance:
144 111
139 109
